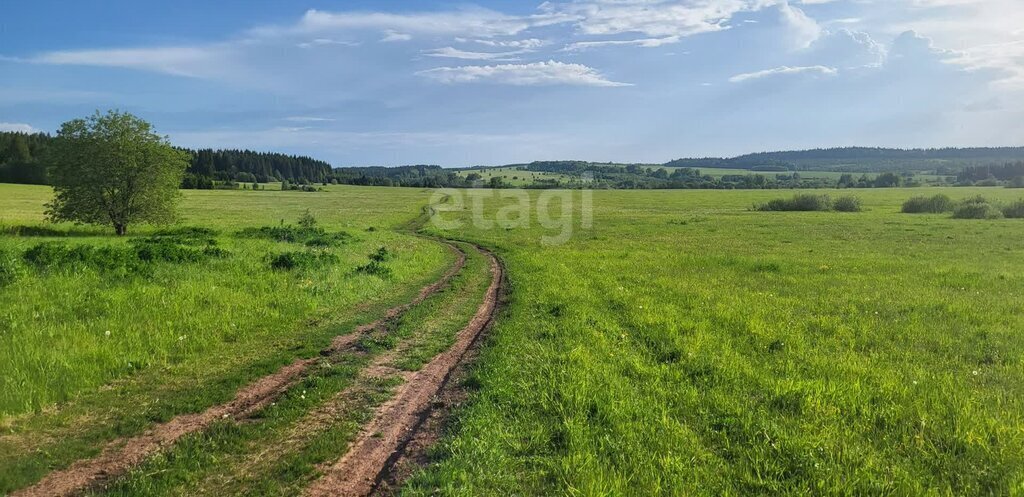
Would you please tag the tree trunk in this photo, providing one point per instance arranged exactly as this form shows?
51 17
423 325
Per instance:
120 229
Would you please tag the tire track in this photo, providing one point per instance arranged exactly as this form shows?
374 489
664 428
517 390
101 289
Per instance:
119 456
384 440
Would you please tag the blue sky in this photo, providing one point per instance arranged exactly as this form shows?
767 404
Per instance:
403 82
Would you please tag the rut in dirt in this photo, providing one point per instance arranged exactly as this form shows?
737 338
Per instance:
386 438
119 456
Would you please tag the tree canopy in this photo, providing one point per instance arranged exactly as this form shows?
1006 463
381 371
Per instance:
113 169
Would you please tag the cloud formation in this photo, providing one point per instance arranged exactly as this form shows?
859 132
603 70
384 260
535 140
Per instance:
18 127
784 70
533 74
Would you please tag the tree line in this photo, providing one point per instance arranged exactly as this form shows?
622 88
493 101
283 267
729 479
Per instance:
25 158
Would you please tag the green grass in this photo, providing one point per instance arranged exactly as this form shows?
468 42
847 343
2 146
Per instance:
688 346
182 336
512 176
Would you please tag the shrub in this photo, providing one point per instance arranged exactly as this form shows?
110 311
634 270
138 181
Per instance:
55 254
381 255
311 237
375 268
154 250
976 208
10 268
307 221
935 204
847 204
799 202
288 261
1014 210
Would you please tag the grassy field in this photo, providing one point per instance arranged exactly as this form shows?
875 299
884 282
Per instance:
689 346
91 353
514 177
683 345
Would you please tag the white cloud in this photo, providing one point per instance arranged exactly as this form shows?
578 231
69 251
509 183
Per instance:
308 119
178 61
640 42
534 74
527 44
783 70
319 42
802 30
454 53
18 128
654 18
393 36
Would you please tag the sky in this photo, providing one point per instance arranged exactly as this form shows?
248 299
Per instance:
392 82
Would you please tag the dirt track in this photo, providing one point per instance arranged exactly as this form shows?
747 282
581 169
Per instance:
121 455
385 439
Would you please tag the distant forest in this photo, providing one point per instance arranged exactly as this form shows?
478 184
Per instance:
940 161
23 160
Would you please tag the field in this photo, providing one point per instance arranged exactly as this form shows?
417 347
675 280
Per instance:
514 177
682 345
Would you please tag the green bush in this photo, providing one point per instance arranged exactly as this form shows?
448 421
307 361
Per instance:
976 208
935 204
1014 210
375 268
288 261
10 268
847 204
55 254
309 236
800 202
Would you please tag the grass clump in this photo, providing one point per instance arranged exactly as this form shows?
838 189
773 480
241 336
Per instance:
802 202
1014 210
976 208
10 268
60 255
935 204
288 261
310 236
376 265
847 204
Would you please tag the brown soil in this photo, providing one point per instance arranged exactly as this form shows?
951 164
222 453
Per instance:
401 428
121 455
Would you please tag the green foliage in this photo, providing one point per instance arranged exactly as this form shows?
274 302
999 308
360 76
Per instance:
52 255
10 268
376 265
847 204
800 202
311 237
305 260
307 221
977 207
935 204
1014 210
113 169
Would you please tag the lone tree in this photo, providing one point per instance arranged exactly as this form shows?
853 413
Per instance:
113 169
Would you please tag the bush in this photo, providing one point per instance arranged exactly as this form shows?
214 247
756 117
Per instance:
310 236
976 208
154 250
847 204
307 221
381 255
288 261
1014 210
800 202
375 268
10 268
55 254
935 204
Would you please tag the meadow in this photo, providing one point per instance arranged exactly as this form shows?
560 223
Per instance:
685 344
89 353
688 345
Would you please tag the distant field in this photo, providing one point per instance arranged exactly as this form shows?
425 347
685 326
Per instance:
514 177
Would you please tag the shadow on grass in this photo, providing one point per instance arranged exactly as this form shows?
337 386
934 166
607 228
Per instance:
51 231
